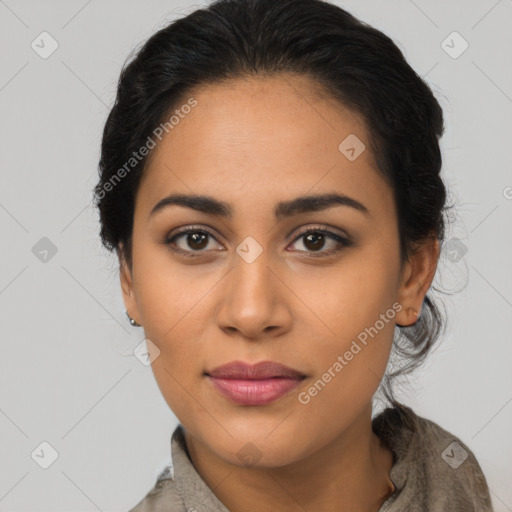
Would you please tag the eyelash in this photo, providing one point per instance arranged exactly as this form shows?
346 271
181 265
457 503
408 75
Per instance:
342 241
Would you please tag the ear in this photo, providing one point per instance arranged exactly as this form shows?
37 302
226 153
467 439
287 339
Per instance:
126 278
417 276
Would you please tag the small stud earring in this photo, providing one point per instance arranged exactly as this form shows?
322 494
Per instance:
132 321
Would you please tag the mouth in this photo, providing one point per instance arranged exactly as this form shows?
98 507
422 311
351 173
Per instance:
259 384
261 370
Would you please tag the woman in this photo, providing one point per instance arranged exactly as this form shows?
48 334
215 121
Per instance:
270 181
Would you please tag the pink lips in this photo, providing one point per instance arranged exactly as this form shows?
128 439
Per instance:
257 384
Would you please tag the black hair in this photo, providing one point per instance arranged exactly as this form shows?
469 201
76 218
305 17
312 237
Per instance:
358 66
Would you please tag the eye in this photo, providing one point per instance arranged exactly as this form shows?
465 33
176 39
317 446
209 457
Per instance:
195 239
314 240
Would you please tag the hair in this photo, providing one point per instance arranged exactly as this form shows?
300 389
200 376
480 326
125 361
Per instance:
357 65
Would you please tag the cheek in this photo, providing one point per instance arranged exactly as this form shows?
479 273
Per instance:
350 296
170 294
356 302
349 366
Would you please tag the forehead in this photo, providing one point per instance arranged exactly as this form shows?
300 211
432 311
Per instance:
256 137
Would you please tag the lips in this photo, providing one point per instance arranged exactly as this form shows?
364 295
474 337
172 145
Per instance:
261 370
259 384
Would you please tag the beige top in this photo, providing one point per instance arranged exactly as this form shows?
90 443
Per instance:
432 471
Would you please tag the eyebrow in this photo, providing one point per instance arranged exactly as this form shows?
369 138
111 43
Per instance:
302 204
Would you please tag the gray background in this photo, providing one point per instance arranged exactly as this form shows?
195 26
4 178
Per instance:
67 373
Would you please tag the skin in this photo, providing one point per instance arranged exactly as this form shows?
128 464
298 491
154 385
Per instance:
253 143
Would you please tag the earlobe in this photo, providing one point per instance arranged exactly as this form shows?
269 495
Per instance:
411 316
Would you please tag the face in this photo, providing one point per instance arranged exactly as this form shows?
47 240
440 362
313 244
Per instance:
316 289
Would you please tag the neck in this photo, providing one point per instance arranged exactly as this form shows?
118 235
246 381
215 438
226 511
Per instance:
350 473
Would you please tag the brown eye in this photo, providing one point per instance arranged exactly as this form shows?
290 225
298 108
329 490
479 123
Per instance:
198 240
195 240
189 241
314 240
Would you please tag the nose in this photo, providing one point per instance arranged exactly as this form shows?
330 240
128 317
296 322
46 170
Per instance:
254 300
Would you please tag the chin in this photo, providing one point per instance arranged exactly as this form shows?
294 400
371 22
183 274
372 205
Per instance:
261 444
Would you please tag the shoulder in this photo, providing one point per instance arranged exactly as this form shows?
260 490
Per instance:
164 497
433 467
